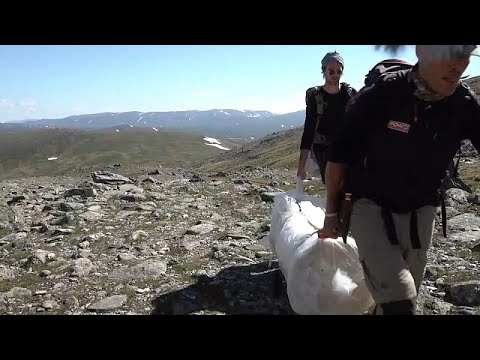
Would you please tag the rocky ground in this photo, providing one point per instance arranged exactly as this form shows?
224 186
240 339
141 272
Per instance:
180 242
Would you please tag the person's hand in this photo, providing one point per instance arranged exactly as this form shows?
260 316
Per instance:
301 173
330 227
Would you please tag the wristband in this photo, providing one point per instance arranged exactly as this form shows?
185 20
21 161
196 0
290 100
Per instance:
330 215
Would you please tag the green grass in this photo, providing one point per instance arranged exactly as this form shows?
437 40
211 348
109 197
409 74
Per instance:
429 306
276 151
468 255
4 232
459 276
26 280
126 290
25 153
468 173
316 188
183 269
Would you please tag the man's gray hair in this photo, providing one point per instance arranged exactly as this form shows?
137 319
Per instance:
438 52
443 52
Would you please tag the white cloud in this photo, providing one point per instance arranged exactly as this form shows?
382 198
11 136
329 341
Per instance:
5 104
18 110
28 103
28 106
24 104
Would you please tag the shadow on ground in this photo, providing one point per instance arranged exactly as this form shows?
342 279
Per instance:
237 290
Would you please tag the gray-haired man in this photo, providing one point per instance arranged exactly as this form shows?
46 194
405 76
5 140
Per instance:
398 139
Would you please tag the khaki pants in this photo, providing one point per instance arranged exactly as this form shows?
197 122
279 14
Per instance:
392 272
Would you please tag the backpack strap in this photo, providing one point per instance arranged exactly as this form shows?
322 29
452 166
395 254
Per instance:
317 94
311 92
389 223
317 138
350 90
444 216
455 169
452 174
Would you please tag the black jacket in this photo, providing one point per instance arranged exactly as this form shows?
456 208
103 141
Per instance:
398 146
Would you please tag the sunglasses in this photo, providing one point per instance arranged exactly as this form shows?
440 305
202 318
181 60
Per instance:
332 72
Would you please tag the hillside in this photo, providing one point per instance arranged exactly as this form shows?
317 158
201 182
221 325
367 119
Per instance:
27 153
181 242
278 151
182 239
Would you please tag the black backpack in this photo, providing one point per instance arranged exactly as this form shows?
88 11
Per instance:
382 68
452 178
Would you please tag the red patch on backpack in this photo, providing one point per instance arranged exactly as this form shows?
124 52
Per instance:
398 126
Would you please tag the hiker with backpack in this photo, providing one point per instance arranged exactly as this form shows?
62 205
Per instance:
325 106
400 135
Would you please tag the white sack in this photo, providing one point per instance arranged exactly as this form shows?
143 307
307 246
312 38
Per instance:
324 276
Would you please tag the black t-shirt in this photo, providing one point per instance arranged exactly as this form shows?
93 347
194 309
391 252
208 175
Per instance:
330 121
398 147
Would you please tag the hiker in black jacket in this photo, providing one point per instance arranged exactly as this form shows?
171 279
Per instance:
325 106
398 139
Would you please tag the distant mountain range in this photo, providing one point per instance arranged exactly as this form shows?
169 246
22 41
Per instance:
217 123
222 123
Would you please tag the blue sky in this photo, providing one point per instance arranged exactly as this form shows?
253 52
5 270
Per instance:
39 81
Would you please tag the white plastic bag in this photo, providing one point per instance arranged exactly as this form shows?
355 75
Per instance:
324 276
311 166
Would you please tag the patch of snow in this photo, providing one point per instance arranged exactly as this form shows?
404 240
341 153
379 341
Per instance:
211 140
218 146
